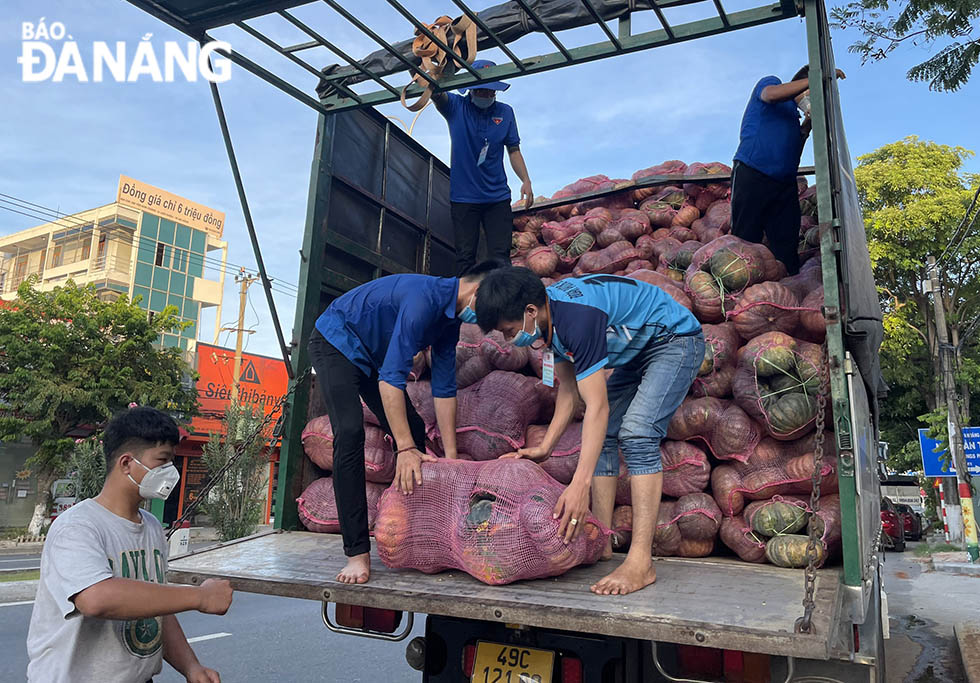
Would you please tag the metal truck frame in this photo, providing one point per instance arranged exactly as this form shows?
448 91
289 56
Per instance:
378 204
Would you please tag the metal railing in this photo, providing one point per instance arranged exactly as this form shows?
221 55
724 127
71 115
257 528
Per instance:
336 80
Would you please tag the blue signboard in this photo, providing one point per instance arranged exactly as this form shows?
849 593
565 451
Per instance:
932 465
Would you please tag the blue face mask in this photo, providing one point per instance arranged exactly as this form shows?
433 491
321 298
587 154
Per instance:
524 338
468 315
482 102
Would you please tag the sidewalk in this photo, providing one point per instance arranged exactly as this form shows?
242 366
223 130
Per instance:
968 638
17 591
956 563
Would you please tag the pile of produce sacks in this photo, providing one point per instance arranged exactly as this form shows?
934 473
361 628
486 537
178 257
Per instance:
743 437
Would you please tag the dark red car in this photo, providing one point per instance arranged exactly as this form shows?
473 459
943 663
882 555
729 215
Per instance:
893 528
911 522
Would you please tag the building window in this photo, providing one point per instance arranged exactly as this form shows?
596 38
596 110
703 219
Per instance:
100 252
86 249
56 256
159 258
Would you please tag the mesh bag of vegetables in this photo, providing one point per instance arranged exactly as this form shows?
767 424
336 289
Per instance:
742 540
776 382
726 429
672 167
723 269
492 520
663 282
774 468
766 307
564 458
718 367
493 414
379 458
686 468
687 527
317 505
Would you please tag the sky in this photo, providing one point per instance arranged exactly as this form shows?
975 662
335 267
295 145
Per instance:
64 144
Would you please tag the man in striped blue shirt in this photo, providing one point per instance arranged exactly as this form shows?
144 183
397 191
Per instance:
655 347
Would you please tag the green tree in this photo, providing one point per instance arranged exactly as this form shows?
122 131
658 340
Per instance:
235 504
944 25
69 360
915 196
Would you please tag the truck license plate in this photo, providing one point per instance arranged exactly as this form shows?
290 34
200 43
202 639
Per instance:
497 663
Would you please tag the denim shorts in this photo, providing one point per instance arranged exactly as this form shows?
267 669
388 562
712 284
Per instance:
643 396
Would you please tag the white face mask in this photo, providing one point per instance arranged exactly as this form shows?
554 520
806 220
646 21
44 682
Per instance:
157 482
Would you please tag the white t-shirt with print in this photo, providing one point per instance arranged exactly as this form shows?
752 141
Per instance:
85 545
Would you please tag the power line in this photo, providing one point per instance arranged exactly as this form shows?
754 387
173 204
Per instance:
961 231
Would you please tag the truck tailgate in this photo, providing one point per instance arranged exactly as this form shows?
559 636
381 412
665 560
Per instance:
712 602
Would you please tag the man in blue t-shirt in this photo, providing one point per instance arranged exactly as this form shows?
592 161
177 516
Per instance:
765 197
480 128
589 324
362 349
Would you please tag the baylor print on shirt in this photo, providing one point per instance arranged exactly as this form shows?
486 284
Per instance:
142 637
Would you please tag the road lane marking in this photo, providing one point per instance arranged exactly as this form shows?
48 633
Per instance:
210 636
23 559
14 604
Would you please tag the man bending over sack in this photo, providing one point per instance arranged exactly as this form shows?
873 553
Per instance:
104 611
362 348
587 324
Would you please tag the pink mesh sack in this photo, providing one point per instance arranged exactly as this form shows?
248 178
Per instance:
721 270
492 520
562 234
686 468
742 540
777 381
493 414
564 458
420 394
318 507
766 307
718 367
379 459
687 527
775 468
656 279
502 354
608 260
672 167
599 218
726 429
660 214
318 442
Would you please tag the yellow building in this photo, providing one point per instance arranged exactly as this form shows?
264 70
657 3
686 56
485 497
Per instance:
148 243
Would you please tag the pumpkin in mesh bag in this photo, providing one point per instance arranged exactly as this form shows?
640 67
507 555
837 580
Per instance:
317 506
632 223
318 442
683 234
720 347
622 527
522 242
717 383
777 381
777 516
568 257
715 191
742 540
813 326
379 459
542 260
827 521
561 464
502 354
598 219
726 429
608 260
492 415
564 232
666 537
686 469
634 266
490 519
789 551
720 271
686 215
766 307
673 167
660 214
420 394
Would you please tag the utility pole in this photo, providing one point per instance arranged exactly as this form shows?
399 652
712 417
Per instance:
953 415
244 281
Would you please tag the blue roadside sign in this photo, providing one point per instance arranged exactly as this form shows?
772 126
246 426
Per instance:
932 454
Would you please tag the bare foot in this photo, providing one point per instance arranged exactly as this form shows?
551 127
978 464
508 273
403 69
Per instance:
626 578
358 569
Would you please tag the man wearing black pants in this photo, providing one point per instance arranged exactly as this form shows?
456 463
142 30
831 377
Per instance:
765 197
362 348
480 128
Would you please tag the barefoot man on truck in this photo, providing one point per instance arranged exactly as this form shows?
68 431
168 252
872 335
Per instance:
362 348
589 324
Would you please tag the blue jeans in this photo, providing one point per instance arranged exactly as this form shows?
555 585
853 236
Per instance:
643 396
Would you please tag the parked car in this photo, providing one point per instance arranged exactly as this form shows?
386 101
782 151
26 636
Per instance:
911 522
893 529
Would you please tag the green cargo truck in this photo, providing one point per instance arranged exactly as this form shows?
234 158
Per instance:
379 204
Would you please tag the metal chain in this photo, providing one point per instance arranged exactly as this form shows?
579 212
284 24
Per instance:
804 624
278 407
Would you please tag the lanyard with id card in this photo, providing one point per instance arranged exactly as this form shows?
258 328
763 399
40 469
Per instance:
548 367
483 152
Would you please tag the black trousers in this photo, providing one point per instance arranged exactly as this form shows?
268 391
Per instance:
498 225
343 386
762 205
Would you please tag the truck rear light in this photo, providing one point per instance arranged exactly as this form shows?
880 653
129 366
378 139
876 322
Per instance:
469 656
368 618
571 670
857 638
703 661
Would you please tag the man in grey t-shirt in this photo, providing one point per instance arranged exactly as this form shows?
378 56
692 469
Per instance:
103 611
